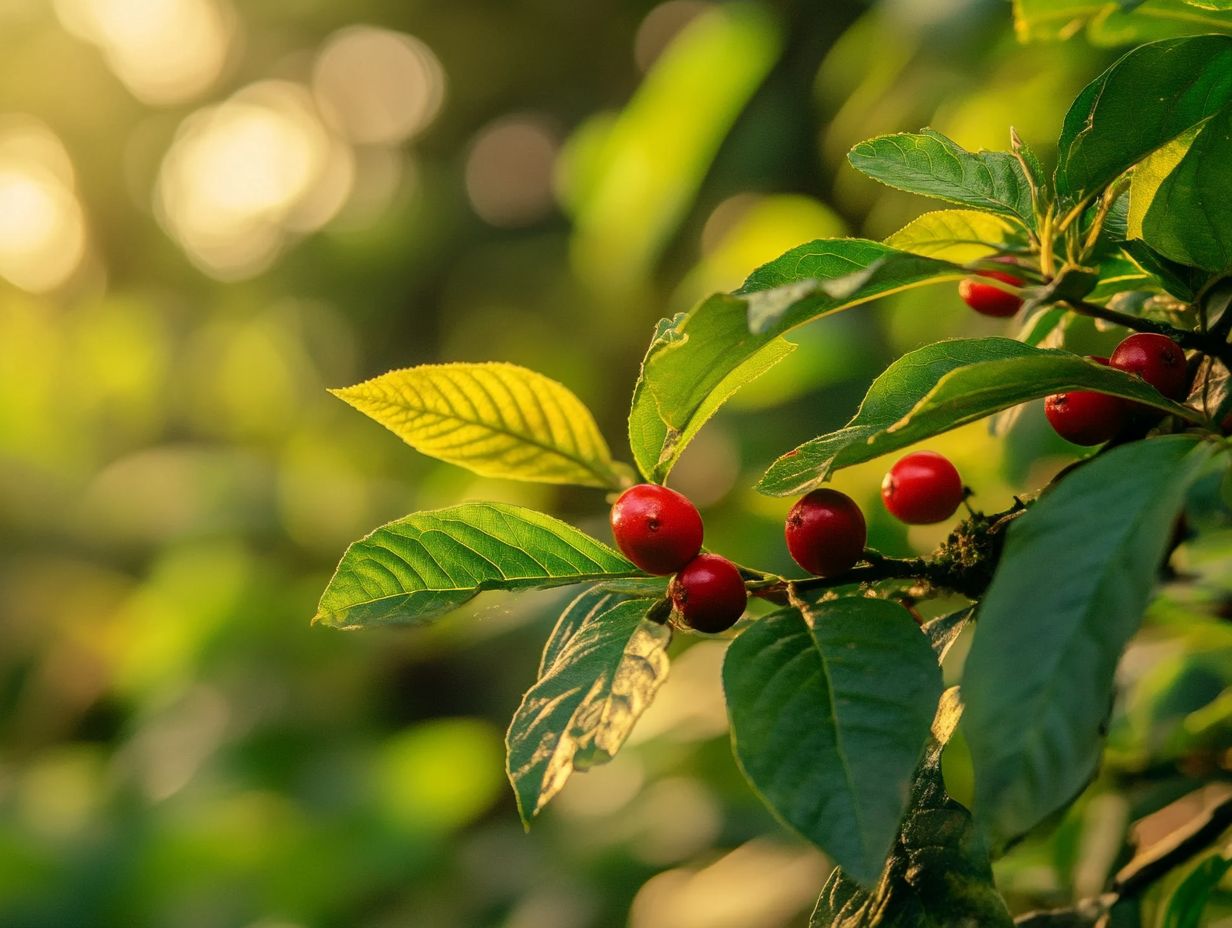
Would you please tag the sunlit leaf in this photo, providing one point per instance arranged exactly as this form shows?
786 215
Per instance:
959 235
601 668
931 165
499 420
1185 220
941 387
1073 582
697 359
1148 97
422 566
830 711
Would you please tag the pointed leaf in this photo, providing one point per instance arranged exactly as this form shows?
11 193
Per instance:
941 387
932 165
698 359
960 235
601 669
1070 590
830 711
415 569
498 420
1186 220
939 873
1147 98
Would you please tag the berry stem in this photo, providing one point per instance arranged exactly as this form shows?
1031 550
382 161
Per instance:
1197 341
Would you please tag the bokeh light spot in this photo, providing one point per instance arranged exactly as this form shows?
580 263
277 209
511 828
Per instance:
243 174
509 170
42 229
165 51
376 86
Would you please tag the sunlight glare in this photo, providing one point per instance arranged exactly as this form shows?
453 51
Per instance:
165 51
244 175
42 229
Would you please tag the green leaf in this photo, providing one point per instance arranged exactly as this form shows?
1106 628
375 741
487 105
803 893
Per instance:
1070 590
498 420
959 235
698 359
601 668
931 165
1148 97
415 569
942 386
1177 279
830 710
1111 22
1189 899
1187 220
938 874
1149 174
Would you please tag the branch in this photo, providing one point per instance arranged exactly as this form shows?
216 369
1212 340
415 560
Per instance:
1197 341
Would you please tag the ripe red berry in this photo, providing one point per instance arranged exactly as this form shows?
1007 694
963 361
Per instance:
990 300
709 593
1086 417
1157 359
922 488
658 529
825 532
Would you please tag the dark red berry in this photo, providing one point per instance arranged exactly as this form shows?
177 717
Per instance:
709 593
825 532
658 529
988 299
922 488
1086 417
1157 359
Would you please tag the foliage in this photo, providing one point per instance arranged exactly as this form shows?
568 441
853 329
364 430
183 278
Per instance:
831 697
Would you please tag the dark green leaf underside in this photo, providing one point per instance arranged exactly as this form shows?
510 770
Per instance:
601 668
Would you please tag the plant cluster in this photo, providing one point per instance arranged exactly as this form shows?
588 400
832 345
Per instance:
838 713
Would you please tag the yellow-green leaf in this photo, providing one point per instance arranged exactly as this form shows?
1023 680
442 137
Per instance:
959 235
1149 174
498 420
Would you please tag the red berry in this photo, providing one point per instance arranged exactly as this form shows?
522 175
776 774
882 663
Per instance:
987 299
1086 417
658 529
922 488
825 532
709 593
1157 359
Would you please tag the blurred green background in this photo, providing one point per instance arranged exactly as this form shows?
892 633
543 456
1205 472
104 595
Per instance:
212 210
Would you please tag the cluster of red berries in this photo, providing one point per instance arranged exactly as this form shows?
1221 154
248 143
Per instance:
1084 416
826 531
660 531
1089 418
